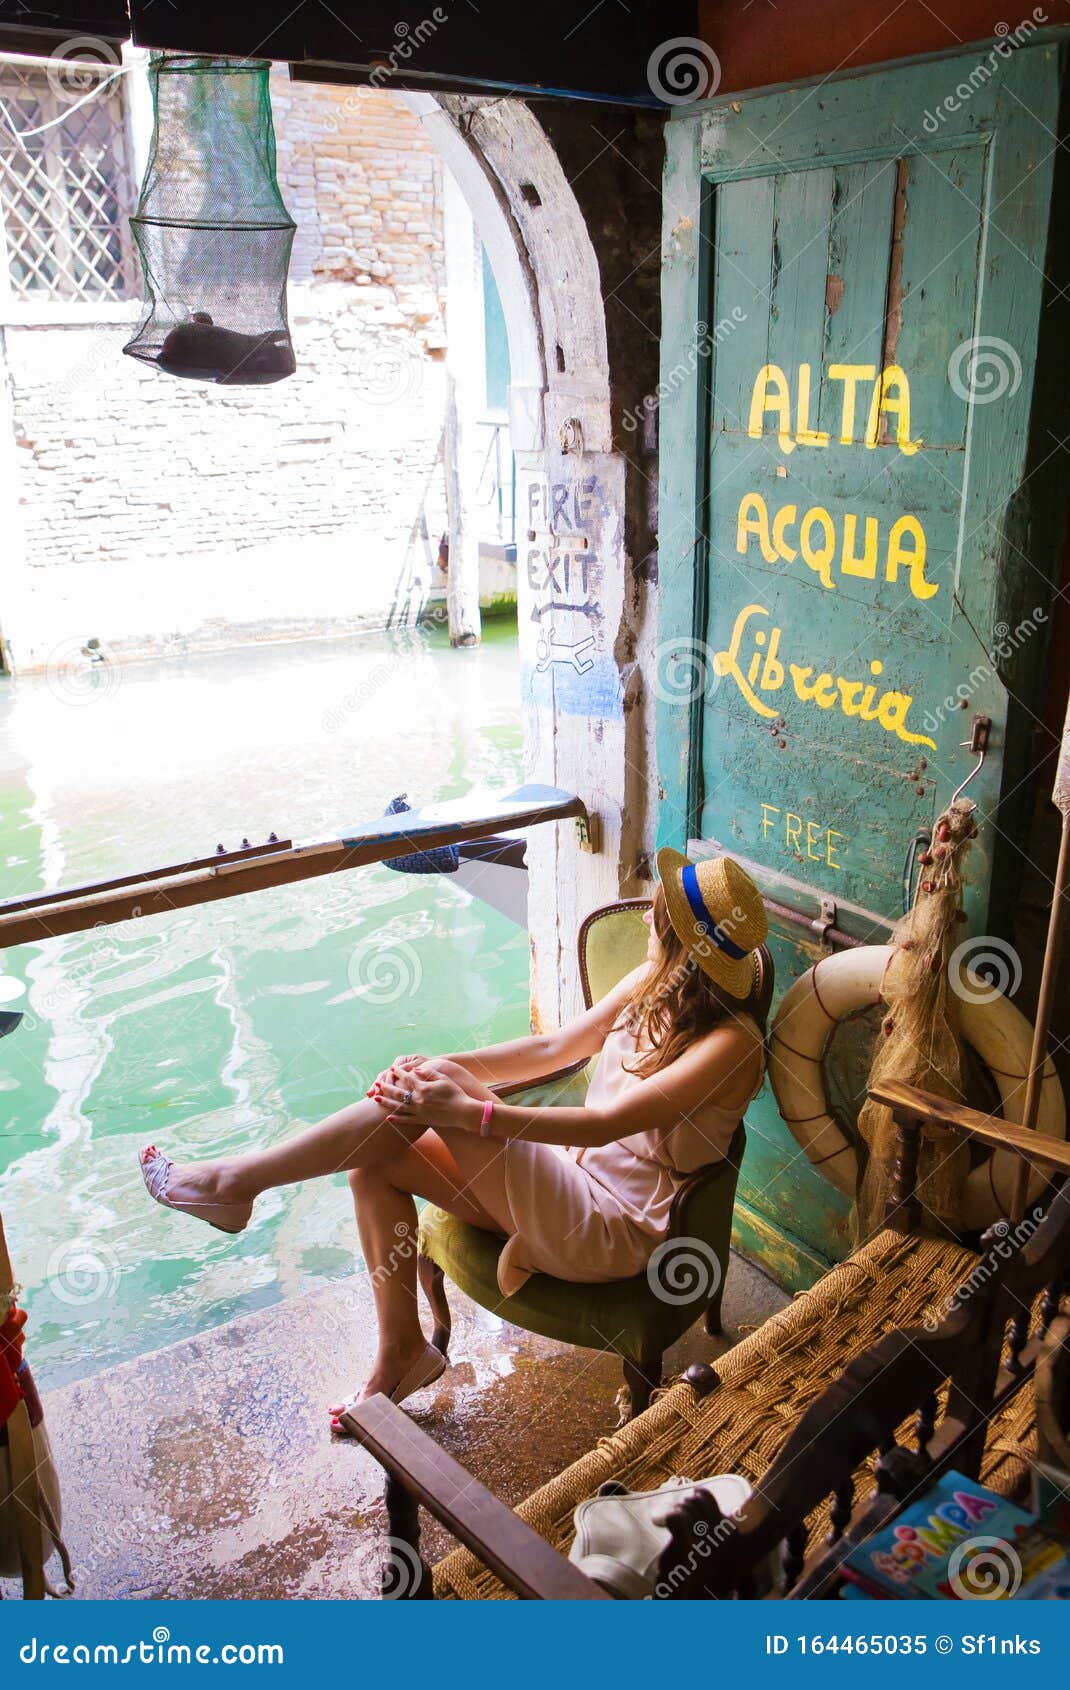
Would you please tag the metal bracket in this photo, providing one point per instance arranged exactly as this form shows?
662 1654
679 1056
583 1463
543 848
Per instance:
589 829
977 745
826 920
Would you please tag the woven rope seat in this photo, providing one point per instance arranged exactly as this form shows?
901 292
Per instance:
767 1381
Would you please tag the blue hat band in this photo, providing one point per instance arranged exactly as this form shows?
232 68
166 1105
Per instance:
689 881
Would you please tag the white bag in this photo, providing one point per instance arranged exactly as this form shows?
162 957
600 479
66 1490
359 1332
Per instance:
620 1537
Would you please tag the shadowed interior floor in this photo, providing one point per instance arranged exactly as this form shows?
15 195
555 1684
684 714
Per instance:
207 1469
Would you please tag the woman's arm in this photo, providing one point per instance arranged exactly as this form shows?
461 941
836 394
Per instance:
544 1053
725 1063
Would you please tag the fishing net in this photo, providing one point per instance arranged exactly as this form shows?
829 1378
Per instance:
211 229
921 1042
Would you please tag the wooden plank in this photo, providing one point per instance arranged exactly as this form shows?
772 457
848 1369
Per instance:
882 110
859 238
941 241
743 234
1020 526
507 1544
37 900
378 841
803 203
908 1103
800 914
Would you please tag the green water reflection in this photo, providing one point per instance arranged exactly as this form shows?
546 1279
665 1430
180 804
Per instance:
218 1027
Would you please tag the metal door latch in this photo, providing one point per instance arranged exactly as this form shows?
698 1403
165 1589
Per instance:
571 436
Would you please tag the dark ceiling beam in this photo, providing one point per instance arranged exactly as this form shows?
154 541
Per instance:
590 51
35 29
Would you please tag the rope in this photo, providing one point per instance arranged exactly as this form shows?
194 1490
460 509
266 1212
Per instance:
920 1042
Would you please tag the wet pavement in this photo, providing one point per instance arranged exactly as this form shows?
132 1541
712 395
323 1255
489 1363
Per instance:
207 1469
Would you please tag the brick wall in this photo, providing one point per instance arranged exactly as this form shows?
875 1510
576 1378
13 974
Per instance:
156 511
361 182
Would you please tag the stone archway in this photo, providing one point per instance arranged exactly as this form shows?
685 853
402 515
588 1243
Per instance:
581 358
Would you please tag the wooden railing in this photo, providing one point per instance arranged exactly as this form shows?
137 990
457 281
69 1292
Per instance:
280 862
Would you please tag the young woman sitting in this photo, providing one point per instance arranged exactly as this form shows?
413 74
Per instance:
580 1193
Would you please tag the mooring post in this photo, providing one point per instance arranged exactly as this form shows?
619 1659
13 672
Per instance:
464 366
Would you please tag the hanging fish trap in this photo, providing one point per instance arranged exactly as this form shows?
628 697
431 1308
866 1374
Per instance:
212 232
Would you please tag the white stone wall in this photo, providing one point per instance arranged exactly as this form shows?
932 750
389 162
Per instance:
587 616
156 511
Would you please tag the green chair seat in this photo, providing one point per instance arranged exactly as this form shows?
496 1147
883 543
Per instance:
638 1318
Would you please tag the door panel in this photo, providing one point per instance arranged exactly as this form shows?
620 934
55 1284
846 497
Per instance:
857 285
811 569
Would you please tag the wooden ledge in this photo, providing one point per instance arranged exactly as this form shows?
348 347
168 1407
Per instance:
908 1103
508 1545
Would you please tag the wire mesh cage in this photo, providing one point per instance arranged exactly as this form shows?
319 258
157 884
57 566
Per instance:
211 229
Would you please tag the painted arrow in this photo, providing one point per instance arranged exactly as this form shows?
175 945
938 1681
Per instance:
541 610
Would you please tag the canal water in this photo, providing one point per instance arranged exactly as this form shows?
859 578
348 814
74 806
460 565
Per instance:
216 1028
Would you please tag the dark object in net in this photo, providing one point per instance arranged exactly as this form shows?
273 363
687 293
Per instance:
205 352
212 232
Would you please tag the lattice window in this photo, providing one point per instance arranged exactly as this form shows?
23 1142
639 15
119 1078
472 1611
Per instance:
64 194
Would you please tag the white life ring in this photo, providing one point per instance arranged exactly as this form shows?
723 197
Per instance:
852 980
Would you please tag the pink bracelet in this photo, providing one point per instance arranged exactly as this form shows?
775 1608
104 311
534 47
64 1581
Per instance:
488 1112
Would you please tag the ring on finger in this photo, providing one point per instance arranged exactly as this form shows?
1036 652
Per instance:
408 1097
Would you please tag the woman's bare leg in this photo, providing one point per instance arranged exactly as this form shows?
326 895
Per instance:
389 1163
360 1135
386 1218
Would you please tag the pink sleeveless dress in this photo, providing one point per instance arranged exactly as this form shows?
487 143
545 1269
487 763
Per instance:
597 1214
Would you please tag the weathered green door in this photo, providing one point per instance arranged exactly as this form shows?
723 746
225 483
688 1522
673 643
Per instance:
853 557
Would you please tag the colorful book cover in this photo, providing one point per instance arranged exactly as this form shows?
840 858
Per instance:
959 1540
991 1570
1051 1585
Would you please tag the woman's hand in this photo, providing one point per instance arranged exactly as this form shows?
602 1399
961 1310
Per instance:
447 1066
399 1064
422 1092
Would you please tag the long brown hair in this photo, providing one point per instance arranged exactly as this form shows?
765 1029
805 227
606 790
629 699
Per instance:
675 1002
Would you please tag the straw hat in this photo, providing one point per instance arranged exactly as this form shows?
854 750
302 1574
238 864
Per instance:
717 913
